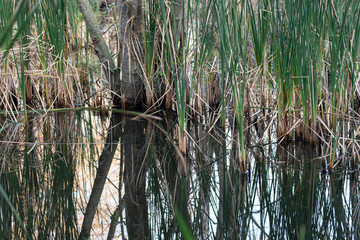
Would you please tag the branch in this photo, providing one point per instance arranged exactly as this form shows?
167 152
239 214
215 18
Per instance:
101 49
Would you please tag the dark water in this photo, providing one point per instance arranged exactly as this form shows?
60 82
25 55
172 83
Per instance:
76 175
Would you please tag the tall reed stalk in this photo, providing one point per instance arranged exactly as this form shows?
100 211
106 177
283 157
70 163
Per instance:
298 57
233 30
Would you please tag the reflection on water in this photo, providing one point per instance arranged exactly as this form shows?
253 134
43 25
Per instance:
76 175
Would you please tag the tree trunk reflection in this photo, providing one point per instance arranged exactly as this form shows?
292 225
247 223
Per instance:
102 171
134 179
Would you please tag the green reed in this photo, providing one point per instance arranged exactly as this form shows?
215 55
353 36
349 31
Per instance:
150 30
177 57
206 45
260 26
304 55
233 32
54 14
7 21
312 44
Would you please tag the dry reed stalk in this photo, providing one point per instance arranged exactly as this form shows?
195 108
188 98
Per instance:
182 140
29 89
247 107
290 126
215 91
299 126
169 96
282 126
242 159
313 135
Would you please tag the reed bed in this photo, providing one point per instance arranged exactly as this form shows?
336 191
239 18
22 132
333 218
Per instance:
252 66
250 73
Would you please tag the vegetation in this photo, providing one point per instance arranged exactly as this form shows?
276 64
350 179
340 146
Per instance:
246 61
254 70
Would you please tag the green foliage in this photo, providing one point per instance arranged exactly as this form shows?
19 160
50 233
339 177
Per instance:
304 52
186 231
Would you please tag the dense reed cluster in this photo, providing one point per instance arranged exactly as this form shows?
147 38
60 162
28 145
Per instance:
235 63
271 83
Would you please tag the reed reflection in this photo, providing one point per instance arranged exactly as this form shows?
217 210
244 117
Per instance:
39 179
163 193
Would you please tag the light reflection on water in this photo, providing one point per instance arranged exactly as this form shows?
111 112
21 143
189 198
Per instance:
284 195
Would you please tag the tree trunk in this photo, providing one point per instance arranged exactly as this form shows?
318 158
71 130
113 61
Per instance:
131 53
101 49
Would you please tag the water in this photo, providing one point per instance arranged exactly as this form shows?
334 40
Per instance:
79 175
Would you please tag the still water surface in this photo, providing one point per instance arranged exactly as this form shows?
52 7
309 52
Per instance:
79 175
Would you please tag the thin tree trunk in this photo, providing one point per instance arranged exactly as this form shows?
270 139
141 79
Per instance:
101 49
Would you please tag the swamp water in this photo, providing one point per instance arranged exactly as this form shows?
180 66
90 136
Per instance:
77 175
